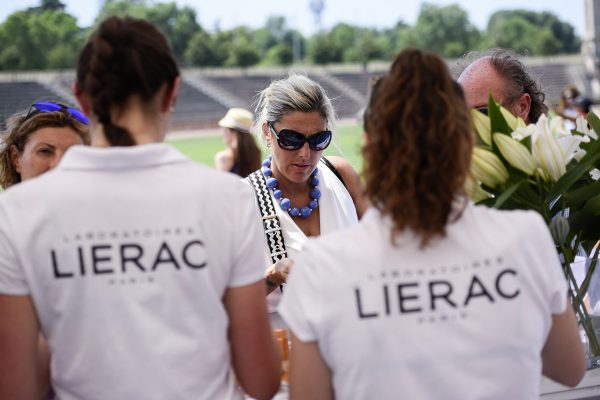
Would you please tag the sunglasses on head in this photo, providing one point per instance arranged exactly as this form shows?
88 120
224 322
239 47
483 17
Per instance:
49 106
292 140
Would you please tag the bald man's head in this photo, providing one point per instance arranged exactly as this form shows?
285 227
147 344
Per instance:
505 77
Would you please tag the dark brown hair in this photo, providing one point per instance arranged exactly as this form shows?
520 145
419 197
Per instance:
123 57
19 130
418 148
246 154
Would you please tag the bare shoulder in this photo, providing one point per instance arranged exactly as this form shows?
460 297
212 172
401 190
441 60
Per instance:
352 182
223 160
343 167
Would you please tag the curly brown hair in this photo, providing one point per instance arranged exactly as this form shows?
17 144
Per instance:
418 147
20 127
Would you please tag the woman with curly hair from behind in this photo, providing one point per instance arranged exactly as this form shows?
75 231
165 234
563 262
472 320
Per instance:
435 297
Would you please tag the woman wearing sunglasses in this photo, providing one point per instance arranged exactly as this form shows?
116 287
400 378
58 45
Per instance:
429 297
35 141
296 119
142 268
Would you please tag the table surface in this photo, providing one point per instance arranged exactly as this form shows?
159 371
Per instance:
588 388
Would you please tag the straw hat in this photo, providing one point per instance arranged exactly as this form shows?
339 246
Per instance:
237 118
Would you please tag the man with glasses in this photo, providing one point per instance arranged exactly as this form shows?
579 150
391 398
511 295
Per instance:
505 77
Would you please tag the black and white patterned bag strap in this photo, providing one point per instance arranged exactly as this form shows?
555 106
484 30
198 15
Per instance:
271 222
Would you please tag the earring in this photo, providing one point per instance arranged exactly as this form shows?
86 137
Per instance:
268 144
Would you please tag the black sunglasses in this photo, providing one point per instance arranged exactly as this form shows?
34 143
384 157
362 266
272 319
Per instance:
483 110
292 140
49 106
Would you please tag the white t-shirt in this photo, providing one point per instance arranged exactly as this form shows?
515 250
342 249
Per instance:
337 211
465 318
127 253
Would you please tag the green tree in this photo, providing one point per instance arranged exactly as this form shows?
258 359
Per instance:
50 5
537 33
367 48
280 54
178 24
243 52
202 51
344 38
443 30
321 49
39 40
277 44
389 39
122 8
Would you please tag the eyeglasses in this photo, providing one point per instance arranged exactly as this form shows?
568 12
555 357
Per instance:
49 106
483 110
292 140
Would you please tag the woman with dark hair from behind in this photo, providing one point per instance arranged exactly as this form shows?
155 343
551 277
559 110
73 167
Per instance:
142 269
241 155
436 297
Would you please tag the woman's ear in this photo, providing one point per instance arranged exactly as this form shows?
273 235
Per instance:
82 99
265 132
171 96
15 158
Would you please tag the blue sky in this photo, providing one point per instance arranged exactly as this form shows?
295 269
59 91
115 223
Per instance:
371 13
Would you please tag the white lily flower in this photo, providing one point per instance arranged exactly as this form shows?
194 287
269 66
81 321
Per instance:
523 132
488 168
570 147
510 119
547 151
475 191
595 174
581 126
557 127
542 174
515 153
482 126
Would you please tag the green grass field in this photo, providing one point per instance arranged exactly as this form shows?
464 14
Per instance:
203 149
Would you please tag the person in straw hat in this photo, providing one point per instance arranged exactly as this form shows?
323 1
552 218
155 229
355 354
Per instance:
241 155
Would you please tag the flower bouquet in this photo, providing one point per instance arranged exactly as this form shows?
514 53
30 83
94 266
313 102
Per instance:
550 169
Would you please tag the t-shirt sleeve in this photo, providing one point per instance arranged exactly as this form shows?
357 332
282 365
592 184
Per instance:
248 247
300 301
12 277
550 267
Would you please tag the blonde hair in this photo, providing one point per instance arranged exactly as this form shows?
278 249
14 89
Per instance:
294 93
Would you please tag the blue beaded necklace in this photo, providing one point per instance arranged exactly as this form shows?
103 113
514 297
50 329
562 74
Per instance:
284 202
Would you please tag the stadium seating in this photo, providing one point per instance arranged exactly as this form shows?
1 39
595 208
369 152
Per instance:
19 95
205 95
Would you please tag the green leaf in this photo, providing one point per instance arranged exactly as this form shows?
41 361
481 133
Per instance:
573 174
497 121
487 202
594 122
527 142
587 216
582 194
507 194
530 195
